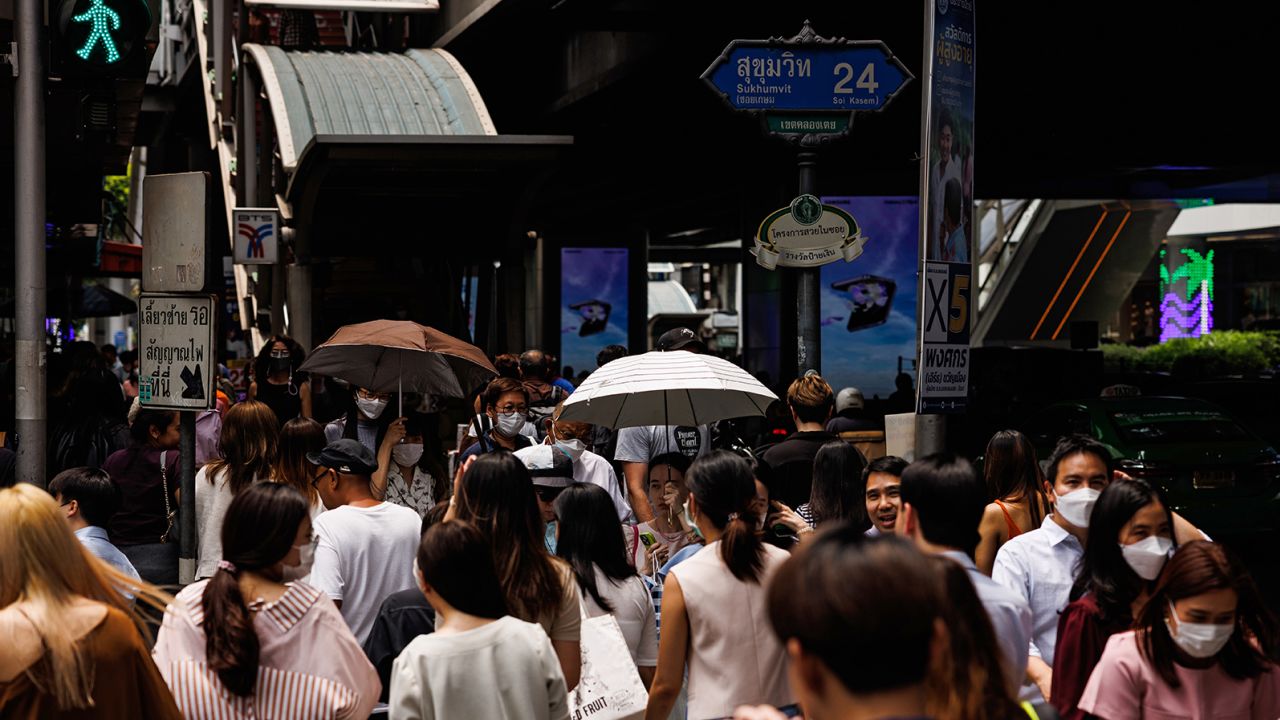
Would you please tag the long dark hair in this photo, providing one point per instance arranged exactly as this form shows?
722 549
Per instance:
1103 569
836 494
259 531
496 495
1012 471
262 363
589 538
298 437
425 425
456 560
1200 567
247 445
725 488
968 682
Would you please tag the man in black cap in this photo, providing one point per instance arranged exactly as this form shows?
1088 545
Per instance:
365 548
638 445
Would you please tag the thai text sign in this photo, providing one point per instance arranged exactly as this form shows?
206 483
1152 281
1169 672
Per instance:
845 76
176 351
807 233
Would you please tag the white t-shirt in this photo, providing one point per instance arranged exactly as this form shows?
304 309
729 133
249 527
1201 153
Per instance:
633 609
506 669
362 556
212 501
642 444
591 468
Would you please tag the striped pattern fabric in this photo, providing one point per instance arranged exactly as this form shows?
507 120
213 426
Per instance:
667 388
279 694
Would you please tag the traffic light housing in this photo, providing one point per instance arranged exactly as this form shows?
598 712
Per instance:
99 38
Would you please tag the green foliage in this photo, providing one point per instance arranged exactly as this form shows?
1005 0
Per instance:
118 186
1217 354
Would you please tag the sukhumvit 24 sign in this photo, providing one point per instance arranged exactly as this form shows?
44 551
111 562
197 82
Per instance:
807 233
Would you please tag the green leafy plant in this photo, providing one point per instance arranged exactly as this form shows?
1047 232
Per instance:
1217 354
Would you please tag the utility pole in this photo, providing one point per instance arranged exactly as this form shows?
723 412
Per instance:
27 62
808 296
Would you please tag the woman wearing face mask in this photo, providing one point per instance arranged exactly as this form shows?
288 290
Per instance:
1200 649
506 408
277 382
1130 539
254 641
414 477
367 421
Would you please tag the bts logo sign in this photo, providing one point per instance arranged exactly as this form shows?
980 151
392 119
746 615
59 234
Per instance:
257 236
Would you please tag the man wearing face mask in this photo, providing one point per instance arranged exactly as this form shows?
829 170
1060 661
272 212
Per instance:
506 407
366 422
570 439
1040 565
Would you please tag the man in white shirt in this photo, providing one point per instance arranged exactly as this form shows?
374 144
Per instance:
1041 565
945 169
572 438
365 548
942 504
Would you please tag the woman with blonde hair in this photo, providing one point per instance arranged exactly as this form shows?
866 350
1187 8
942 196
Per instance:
73 644
248 445
300 437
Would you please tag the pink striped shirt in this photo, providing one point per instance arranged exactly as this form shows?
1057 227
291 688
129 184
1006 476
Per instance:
310 666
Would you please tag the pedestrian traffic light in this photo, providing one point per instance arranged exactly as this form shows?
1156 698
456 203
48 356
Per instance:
100 38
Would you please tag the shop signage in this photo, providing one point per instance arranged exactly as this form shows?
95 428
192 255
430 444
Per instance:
807 233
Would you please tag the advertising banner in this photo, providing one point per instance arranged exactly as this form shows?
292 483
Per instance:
868 307
946 191
593 303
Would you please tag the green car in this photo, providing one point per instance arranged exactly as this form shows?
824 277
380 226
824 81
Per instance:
1214 471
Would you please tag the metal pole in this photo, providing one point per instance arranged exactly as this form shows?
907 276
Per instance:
29 241
808 340
187 503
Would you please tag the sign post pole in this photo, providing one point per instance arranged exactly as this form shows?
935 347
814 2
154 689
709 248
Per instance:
808 320
806 90
187 502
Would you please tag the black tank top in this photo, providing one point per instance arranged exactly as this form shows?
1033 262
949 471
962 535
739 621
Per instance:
284 403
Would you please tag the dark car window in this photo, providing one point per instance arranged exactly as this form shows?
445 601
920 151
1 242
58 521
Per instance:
1175 426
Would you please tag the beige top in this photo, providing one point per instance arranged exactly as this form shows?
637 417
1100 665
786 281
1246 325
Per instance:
734 656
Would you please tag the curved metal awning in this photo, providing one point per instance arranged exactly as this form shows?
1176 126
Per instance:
385 95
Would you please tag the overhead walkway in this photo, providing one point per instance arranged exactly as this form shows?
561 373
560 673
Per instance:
1044 264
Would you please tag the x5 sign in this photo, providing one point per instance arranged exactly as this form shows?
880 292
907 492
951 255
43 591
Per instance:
946 303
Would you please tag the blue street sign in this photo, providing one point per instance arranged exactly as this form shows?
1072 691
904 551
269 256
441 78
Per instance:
766 75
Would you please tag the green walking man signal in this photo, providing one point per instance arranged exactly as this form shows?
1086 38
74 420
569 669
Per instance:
100 15
100 38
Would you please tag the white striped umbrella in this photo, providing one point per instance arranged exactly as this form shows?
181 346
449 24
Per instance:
667 388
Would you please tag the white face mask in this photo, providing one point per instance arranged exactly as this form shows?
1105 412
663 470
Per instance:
307 553
1199 640
1076 506
1147 557
573 448
407 454
508 425
371 407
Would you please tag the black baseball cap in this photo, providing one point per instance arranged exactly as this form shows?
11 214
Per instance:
347 456
680 339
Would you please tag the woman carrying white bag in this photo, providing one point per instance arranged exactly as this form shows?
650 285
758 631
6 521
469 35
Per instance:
619 630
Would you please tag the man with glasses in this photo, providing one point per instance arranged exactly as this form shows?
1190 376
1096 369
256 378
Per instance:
552 472
365 547
506 410
572 439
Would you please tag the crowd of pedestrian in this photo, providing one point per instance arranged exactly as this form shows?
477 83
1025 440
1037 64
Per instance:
346 567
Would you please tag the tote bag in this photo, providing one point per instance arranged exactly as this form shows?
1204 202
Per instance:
609 687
